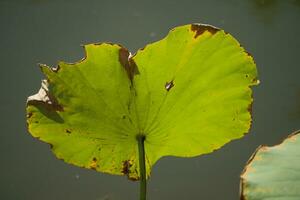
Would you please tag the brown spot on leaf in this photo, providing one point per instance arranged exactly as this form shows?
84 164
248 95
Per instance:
128 63
49 107
169 85
68 131
201 28
126 167
133 178
250 108
29 115
249 54
55 104
242 196
255 80
93 164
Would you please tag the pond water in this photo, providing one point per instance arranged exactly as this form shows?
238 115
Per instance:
44 31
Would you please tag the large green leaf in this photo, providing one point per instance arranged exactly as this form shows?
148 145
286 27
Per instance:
273 173
188 94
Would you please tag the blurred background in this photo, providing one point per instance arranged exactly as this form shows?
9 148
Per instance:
44 31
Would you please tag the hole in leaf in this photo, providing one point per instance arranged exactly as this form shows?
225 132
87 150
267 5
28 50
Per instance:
169 85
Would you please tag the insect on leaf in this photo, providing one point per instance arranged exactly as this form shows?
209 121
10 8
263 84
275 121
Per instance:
187 94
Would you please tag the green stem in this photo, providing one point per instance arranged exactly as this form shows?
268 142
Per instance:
143 181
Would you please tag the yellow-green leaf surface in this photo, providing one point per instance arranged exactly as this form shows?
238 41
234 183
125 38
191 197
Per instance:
188 94
273 173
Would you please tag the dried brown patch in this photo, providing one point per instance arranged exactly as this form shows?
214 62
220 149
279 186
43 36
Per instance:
45 98
29 114
128 63
68 131
250 107
133 178
93 164
126 167
201 28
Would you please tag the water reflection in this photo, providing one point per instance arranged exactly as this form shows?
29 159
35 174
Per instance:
296 2
264 3
295 114
265 10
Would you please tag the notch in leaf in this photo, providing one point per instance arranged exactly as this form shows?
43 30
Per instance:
185 95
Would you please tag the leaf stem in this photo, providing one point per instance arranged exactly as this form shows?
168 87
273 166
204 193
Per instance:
143 181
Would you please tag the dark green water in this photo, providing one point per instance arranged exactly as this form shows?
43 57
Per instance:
44 31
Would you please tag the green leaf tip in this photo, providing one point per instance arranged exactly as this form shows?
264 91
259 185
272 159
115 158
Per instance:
187 94
273 173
